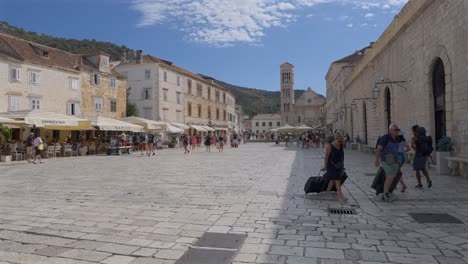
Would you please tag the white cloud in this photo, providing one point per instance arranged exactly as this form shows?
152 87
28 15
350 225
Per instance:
369 15
349 25
224 23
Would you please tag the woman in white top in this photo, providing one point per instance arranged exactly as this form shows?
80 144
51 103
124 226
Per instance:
39 147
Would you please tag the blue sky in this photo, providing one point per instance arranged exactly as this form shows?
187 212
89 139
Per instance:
241 42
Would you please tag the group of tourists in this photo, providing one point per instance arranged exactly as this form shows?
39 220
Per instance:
146 143
389 155
193 142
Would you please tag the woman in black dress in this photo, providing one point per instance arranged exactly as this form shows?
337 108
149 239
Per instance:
334 164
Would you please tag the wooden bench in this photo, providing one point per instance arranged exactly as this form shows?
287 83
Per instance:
458 165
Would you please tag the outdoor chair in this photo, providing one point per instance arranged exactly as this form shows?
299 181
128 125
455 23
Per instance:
67 150
50 151
92 149
57 150
16 155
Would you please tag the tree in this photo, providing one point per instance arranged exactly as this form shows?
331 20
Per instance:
132 109
5 133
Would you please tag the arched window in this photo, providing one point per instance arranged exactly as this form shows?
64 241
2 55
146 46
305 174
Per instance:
284 110
438 90
388 107
299 119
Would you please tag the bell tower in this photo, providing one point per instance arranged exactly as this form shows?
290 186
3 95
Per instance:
287 94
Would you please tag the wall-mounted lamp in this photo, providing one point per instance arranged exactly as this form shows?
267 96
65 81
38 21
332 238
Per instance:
376 90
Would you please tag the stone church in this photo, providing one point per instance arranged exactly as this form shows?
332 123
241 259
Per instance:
306 109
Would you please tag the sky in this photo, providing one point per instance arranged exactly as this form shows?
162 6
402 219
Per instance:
242 42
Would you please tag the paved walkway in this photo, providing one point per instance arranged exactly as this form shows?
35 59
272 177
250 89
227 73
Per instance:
137 209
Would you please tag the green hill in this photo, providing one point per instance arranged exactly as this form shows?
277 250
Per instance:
116 52
249 98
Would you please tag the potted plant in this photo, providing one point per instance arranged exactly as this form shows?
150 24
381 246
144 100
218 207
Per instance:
443 149
5 136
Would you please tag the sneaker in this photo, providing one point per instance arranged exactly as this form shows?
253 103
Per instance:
429 183
419 186
403 189
386 197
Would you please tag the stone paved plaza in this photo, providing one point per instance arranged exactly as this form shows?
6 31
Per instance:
137 209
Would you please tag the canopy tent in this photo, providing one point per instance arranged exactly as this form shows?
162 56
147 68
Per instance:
199 128
286 128
173 129
208 128
179 125
109 124
146 123
221 128
274 130
303 127
50 120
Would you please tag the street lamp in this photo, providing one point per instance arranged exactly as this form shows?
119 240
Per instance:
376 90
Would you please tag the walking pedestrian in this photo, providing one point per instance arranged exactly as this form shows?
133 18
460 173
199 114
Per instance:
185 142
150 144
386 156
144 142
30 147
334 164
422 146
221 143
38 147
403 147
208 143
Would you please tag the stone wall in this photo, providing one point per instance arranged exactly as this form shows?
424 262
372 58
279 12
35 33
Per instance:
423 32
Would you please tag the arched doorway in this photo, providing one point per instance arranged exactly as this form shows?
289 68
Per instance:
438 90
388 107
364 116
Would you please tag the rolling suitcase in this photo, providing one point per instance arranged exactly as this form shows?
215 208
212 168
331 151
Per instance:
314 184
343 178
379 180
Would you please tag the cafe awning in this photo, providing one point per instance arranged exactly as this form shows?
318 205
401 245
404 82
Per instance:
146 123
208 128
199 128
221 128
173 129
49 120
179 125
4 120
110 124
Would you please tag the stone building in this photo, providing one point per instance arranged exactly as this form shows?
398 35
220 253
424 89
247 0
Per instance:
103 89
307 109
414 74
265 123
34 76
164 91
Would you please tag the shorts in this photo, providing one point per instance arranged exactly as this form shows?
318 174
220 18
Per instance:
419 162
143 145
150 145
38 151
390 170
30 150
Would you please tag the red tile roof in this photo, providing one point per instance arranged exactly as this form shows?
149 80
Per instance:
22 50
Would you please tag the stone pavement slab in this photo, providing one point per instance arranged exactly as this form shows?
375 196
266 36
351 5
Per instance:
138 209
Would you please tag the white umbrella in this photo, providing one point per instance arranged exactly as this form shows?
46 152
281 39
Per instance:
303 127
110 124
286 128
173 129
146 123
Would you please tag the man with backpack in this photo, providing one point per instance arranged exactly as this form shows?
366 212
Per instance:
422 146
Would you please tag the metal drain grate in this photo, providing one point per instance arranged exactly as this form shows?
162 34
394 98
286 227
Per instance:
341 211
426 218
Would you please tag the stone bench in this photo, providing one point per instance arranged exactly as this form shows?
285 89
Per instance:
458 165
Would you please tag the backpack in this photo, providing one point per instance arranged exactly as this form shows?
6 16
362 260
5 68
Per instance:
424 143
150 138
